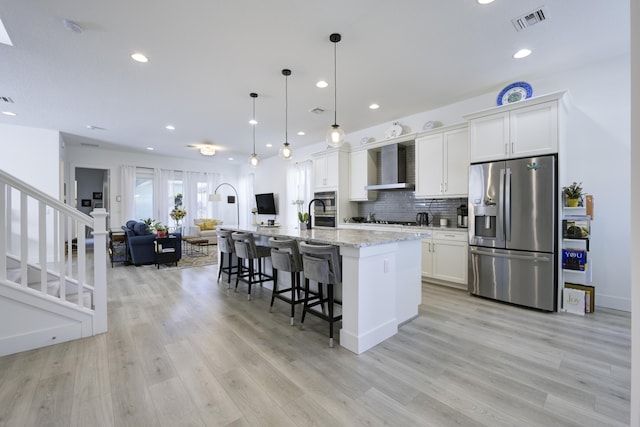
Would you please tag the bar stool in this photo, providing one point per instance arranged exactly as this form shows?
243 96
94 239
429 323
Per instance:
226 246
246 249
285 256
322 264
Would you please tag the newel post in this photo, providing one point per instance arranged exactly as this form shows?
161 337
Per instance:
100 269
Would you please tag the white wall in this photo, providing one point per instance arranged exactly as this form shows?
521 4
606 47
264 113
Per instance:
32 155
598 135
99 158
635 208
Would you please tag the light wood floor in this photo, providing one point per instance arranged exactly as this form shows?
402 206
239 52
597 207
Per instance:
180 351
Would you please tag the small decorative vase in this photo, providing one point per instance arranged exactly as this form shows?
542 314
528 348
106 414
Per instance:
303 226
572 203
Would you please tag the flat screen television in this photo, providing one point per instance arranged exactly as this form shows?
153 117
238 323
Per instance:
266 204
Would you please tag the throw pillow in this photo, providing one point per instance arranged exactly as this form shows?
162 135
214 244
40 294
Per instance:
141 229
131 223
209 224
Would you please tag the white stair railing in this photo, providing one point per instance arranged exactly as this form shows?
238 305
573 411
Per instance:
46 235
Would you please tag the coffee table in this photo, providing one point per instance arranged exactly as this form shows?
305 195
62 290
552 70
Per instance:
196 246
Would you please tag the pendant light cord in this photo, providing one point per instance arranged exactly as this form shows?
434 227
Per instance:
335 85
254 126
286 108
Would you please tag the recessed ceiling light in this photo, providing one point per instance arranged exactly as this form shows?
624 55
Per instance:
253 122
230 158
485 1
94 127
170 127
150 148
522 53
139 57
9 113
374 106
322 84
269 145
301 133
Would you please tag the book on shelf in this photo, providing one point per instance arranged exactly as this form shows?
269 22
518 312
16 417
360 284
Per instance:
589 295
576 227
574 259
573 301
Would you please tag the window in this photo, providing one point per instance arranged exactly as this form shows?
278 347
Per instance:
175 188
143 198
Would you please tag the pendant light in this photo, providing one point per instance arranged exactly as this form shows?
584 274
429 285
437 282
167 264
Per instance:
253 158
335 135
286 152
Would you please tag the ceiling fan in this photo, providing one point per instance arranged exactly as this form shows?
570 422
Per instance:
206 148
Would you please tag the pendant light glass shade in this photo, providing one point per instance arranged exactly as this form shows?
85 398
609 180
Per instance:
253 158
286 152
335 135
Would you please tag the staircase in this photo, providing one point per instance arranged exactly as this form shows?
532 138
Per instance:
52 289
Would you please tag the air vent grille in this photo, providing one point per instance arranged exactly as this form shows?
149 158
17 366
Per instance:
6 99
89 144
529 19
316 110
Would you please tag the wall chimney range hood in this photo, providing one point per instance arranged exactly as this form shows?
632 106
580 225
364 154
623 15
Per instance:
393 169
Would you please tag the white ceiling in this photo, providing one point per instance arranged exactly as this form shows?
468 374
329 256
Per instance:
206 56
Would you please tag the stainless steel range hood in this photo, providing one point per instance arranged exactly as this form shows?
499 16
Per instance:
393 169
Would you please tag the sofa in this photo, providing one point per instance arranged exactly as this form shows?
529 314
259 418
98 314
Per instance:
141 243
203 228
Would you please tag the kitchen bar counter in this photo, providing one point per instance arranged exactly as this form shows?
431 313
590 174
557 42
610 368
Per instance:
381 278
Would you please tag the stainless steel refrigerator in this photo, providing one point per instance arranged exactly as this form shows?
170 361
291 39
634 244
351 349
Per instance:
513 232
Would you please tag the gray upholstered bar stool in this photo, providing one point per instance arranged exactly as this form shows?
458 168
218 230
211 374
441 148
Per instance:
226 246
322 264
246 249
285 257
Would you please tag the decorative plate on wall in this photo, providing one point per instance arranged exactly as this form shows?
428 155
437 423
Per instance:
515 92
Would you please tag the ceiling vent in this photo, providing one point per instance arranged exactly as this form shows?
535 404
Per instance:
6 99
317 110
89 144
529 19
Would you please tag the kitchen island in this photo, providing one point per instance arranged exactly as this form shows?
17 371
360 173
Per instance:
381 278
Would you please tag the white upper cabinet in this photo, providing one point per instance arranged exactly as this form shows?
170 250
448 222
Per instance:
363 172
326 169
442 164
526 128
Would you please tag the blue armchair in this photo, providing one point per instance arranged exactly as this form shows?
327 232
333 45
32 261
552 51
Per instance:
140 242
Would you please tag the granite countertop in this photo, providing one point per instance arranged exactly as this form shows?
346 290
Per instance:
329 236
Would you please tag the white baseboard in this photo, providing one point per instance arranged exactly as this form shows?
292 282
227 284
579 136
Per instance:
616 303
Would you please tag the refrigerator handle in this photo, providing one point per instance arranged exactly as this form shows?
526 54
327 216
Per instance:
501 201
507 205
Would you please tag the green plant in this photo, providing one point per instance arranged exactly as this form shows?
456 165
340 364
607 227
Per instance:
574 191
303 217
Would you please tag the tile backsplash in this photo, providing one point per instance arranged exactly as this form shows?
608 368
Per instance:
401 205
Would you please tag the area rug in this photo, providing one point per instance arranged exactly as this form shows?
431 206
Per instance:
195 260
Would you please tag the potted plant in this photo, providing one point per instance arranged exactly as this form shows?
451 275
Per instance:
573 193
304 219
161 230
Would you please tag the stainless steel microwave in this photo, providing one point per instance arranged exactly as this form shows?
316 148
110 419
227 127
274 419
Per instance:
325 217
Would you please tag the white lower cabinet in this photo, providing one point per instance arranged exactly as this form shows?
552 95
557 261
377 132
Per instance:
427 258
445 258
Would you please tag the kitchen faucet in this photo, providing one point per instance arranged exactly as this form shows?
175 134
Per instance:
324 209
